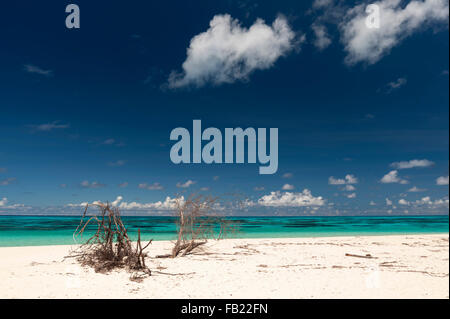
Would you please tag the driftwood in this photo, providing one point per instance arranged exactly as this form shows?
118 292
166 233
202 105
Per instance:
369 256
110 247
196 223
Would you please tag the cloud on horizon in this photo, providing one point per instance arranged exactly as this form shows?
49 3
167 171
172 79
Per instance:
288 199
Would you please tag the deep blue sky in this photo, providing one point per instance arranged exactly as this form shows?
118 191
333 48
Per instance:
105 84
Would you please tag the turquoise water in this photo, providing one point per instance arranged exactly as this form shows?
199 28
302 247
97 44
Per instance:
58 230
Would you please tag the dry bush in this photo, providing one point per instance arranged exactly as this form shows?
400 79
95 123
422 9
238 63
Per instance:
110 247
197 221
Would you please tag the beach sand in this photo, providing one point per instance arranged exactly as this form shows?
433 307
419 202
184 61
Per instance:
405 266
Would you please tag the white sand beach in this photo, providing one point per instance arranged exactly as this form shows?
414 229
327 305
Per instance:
406 266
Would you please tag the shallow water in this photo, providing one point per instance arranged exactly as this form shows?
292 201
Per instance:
58 230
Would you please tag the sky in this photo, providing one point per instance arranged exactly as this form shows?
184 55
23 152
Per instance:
361 112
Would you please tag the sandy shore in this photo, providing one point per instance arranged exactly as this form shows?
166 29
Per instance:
413 266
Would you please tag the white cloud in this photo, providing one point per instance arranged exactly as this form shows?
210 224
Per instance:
349 188
372 203
322 39
349 179
416 190
117 163
288 199
394 85
3 201
166 205
47 127
443 180
388 202
397 22
7 181
403 202
428 202
152 187
288 175
392 177
352 195
87 184
117 201
412 164
228 52
37 70
109 141
318 4
334 181
186 184
287 187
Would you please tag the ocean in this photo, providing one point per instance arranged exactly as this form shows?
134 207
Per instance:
58 230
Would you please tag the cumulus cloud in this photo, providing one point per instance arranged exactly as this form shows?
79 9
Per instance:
117 201
166 205
4 204
397 22
228 52
403 202
429 202
388 202
37 70
349 179
288 199
443 180
186 184
287 187
392 177
152 187
412 164
322 39
352 195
